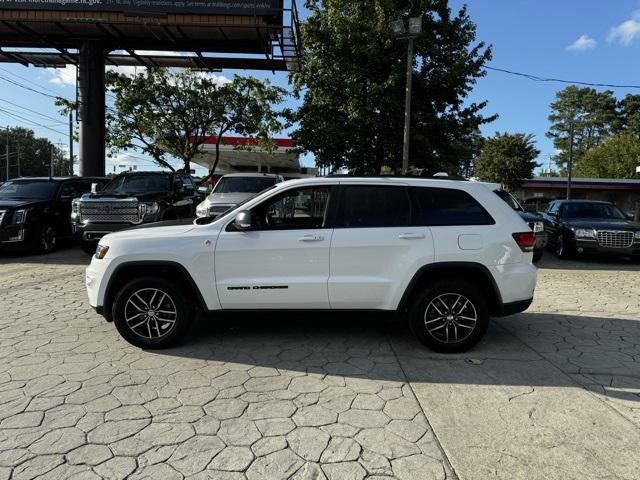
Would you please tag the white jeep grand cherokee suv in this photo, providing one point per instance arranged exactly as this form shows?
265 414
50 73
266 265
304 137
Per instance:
450 254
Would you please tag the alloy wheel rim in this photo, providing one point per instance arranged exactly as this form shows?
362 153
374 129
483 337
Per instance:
48 239
150 313
450 318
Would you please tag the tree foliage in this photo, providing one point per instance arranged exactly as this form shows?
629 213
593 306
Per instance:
353 85
30 155
167 113
507 158
596 117
618 157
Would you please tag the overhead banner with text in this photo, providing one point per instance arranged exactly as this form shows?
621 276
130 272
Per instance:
208 7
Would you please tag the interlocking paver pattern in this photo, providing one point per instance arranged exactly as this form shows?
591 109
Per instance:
263 397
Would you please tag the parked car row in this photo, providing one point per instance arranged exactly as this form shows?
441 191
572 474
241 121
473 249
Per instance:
36 213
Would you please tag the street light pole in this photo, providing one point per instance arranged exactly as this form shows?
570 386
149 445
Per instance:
407 108
407 32
570 162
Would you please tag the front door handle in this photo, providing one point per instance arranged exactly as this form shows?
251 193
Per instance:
311 238
411 236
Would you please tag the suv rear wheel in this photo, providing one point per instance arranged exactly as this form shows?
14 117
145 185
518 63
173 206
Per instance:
450 316
151 313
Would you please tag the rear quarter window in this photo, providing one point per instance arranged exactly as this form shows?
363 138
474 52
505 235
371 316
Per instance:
447 207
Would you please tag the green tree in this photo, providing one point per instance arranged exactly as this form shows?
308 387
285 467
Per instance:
30 155
353 85
618 157
167 113
629 108
592 114
507 158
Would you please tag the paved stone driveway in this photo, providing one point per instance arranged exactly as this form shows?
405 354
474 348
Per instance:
551 393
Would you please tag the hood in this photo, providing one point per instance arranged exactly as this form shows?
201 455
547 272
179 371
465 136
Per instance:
140 196
20 203
529 217
153 230
230 198
603 223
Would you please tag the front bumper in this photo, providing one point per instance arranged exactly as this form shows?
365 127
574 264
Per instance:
93 232
14 237
586 246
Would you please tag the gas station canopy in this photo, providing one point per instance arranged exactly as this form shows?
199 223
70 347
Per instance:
241 154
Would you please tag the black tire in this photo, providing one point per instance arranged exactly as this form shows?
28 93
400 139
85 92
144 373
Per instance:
45 238
537 256
88 248
454 322
562 248
126 305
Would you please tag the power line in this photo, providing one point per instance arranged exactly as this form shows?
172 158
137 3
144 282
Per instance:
48 117
558 80
19 117
27 80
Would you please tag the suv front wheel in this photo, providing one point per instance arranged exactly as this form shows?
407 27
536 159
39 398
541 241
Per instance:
151 313
450 316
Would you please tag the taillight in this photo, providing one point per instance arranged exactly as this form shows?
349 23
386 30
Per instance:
525 240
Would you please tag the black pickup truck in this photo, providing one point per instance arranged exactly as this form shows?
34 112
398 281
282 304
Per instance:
132 199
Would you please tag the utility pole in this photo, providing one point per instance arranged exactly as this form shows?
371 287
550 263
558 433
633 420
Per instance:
570 162
18 157
407 108
6 151
70 143
51 170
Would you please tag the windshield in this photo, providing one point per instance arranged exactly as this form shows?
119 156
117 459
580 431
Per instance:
509 199
592 210
138 183
243 184
43 190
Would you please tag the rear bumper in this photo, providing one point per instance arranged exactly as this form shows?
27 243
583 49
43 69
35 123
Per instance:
512 308
516 283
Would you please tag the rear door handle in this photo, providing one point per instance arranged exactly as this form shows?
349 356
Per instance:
311 238
411 236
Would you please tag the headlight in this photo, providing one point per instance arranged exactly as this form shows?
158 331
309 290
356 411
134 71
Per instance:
20 216
585 233
101 251
201 211
75 206
637 235
152 208
538 227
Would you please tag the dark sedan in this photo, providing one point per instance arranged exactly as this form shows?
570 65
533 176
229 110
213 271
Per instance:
36 212
589 226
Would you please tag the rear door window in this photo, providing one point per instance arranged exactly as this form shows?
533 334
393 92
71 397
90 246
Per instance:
446 207
366 206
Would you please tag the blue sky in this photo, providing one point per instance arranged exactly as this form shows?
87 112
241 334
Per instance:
589 40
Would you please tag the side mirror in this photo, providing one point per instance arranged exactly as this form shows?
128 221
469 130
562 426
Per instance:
243 220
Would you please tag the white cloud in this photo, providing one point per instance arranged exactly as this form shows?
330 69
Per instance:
63 76
627 31
583 43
